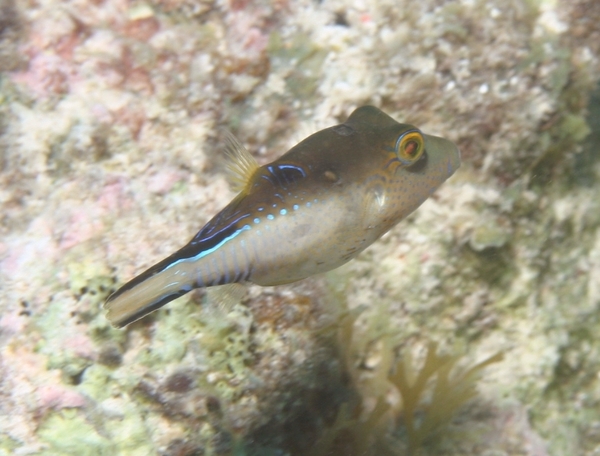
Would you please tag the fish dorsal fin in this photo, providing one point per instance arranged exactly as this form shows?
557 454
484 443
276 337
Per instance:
241 165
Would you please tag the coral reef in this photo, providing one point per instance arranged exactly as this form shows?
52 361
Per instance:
111 158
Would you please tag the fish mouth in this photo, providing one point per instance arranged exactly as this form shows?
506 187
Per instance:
453 160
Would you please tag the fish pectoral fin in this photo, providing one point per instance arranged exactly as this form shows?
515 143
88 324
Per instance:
241 165
373 206
226 296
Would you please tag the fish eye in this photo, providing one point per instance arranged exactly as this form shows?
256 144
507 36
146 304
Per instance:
410 147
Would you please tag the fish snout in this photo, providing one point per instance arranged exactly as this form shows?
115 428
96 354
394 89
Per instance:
445 151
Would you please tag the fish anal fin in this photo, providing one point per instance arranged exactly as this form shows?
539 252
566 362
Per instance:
225 297
241 165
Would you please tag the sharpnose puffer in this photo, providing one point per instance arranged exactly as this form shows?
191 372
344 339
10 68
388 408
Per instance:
315 208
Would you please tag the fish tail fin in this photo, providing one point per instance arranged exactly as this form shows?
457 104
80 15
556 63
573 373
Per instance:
147 292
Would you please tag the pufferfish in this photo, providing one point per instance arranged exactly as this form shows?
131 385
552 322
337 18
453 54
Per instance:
310 211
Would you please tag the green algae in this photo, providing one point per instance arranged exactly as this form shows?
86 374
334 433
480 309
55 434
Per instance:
51 325
430 392
90 291
83 439
8 445
97 382
170 336
452 389
69 432
301 60
488 236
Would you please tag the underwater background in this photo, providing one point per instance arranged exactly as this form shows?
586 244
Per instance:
471 328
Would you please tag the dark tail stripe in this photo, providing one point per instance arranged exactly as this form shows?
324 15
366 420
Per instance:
150 308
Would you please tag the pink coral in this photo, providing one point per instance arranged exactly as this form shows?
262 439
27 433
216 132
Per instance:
58 397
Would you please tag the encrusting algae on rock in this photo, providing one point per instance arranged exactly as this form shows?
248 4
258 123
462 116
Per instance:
310 211
109 112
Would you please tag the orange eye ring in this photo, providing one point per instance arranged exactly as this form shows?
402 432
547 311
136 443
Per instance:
410 147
